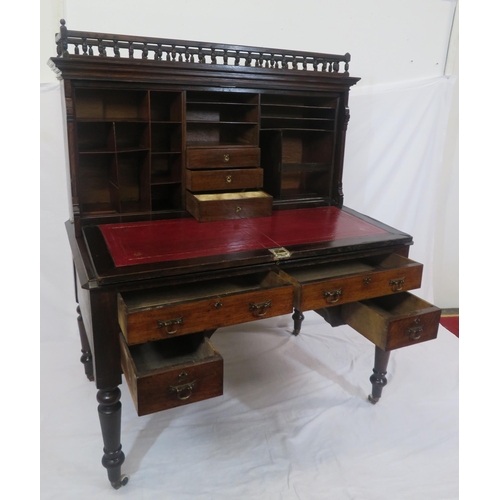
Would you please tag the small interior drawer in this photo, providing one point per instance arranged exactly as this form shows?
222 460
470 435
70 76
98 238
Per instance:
173 372
340 282
223 206
224 179
178 310
393 321
223 157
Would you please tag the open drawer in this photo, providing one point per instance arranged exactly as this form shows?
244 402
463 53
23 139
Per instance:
172 372
393 321
335 283
177 310
232 205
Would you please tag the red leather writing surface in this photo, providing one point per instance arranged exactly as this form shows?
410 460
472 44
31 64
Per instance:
178 239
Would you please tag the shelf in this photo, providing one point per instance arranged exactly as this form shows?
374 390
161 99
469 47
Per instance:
112 120
165 106
166 196
98 152
217 122
162 180
309 167
297 106
97 208
111 105
216 144
208 134
298 124
222 97
165 122
295 129
303 101
166 168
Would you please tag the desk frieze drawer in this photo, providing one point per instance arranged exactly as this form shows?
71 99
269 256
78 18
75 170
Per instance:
223 157
224 179
178 310
170 373
393 321
340 282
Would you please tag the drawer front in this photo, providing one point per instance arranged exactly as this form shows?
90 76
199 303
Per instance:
224 179
175 383
213 207
394 321
171 320
403 275
223 157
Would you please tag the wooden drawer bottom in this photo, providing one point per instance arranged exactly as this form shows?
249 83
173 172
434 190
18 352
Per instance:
170 373
393 321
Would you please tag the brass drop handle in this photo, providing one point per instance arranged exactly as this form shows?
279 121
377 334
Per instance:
397 285
367 280
226 157
228 179
238 209
259 310
183 391
218 304
171 324
416 332
332 296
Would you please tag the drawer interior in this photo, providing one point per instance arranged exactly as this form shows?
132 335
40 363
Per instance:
397 305
231 196
172 372
165 354
158 297
393 321
320 272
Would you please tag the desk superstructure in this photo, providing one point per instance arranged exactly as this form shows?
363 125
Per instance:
206 187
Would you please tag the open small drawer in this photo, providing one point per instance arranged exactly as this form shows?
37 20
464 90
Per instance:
170 373
177 310
393 321
336 283
223 206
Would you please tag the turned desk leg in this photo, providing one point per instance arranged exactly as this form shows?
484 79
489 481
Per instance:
378 379
110 412
86 357
297 317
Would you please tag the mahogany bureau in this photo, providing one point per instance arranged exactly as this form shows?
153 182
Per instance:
206 188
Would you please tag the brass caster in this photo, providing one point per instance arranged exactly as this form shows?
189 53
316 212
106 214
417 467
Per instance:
373 400
295 332
123 481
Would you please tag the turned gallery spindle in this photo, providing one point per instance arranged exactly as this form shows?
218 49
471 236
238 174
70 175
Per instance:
217 54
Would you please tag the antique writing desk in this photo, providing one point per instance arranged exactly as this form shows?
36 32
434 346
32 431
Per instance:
206 186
